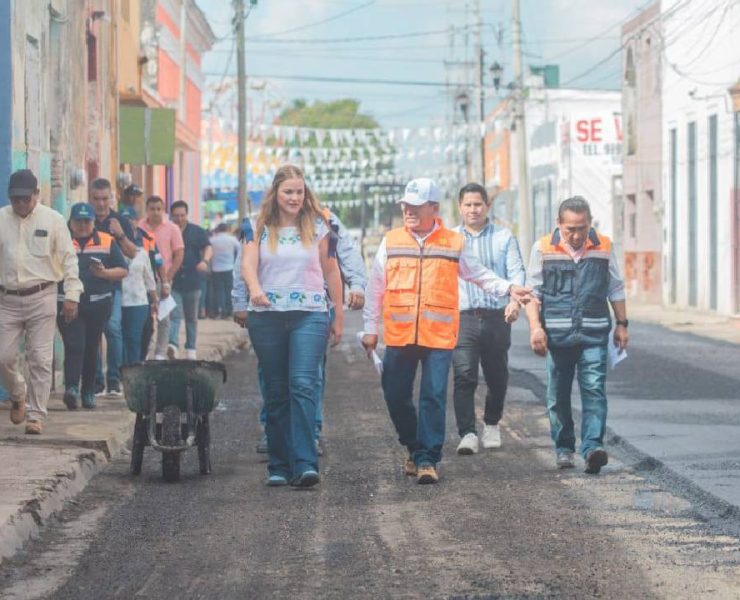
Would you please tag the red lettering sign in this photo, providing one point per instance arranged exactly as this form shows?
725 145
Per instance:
589 130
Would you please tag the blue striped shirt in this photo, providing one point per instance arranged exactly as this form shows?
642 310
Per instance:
498 250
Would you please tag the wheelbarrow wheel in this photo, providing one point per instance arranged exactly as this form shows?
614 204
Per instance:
171 437
203 436
138 444
170 466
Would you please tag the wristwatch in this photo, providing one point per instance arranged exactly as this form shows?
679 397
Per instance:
624 323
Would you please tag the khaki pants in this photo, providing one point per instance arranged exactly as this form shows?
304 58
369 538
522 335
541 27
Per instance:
32 317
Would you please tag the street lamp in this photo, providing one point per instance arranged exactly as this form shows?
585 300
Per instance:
463 101
496 71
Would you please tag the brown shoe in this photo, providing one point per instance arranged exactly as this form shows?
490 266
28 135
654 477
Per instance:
18 410
409 467
427 474
33 428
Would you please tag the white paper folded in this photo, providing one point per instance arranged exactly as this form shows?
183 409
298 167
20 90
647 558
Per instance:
166 306
377 361
616 355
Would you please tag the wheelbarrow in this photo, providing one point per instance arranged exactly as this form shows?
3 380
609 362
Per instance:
172 400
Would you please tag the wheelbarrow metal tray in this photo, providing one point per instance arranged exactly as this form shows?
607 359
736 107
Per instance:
171 378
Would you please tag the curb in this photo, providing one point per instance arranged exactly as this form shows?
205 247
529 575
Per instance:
52 493
49 498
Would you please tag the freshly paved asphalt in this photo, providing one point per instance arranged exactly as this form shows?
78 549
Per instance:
676 398
500 524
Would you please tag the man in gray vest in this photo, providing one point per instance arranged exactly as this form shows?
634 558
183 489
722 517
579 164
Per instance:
574 273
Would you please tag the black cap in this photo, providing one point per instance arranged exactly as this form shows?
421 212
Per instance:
133 190
22 183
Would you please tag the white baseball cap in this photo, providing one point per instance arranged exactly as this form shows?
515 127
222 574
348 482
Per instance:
420 191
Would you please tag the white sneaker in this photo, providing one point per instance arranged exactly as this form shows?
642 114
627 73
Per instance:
190 354
468 445
160 357
171 351
491 437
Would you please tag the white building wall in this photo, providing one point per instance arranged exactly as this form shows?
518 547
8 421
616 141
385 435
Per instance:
586 149
701 60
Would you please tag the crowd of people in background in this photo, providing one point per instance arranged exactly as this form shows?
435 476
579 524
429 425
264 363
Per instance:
106 270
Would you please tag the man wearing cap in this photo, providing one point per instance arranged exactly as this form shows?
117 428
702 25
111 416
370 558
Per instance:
133 196
101 266
109 221
413 284
36 252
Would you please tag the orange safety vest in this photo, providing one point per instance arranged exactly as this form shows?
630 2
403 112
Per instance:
420 305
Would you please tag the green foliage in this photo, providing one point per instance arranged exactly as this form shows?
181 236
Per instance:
337 114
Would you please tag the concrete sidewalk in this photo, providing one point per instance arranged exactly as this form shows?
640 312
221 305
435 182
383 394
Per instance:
692 321
40 473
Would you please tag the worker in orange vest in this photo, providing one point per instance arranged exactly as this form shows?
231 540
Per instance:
413 284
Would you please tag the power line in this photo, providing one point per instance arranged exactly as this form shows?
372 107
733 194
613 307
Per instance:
370 38
314 24
347 80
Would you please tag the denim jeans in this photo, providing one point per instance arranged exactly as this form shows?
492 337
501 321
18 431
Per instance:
290 347
590 363
222 284
133 319
425 435
485 338
187 305
114 339
320 389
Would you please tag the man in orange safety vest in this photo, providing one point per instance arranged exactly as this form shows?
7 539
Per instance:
413 284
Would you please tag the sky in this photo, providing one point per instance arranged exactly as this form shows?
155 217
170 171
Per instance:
328 39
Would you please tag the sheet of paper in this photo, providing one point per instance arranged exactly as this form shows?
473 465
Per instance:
616 355
377 361
166 306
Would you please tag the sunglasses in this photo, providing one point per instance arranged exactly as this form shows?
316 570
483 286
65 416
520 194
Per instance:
19 199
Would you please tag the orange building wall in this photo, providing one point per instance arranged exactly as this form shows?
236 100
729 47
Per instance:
192 108
169 79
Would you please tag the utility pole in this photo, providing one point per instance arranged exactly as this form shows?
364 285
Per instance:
481 95
525 223
245 206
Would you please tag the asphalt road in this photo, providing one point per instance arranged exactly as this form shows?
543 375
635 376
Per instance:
676 399
500 524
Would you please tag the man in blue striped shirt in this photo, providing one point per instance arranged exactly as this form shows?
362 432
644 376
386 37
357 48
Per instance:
485 322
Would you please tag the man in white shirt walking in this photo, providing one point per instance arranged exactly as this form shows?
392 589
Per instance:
485 322
36 252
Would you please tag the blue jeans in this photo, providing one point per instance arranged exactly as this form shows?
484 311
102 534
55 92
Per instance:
223 282
133 319
114 338
290 347
590 362
319 390
425 435
187 305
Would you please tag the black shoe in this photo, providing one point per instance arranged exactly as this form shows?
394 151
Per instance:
88 401
99 388
70 397
596 459
114 389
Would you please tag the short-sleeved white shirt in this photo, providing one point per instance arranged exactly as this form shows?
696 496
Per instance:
291 277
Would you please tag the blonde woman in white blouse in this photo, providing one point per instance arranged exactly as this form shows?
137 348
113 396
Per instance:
285 269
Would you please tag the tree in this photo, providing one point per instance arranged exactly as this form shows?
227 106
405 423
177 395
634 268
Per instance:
337 114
